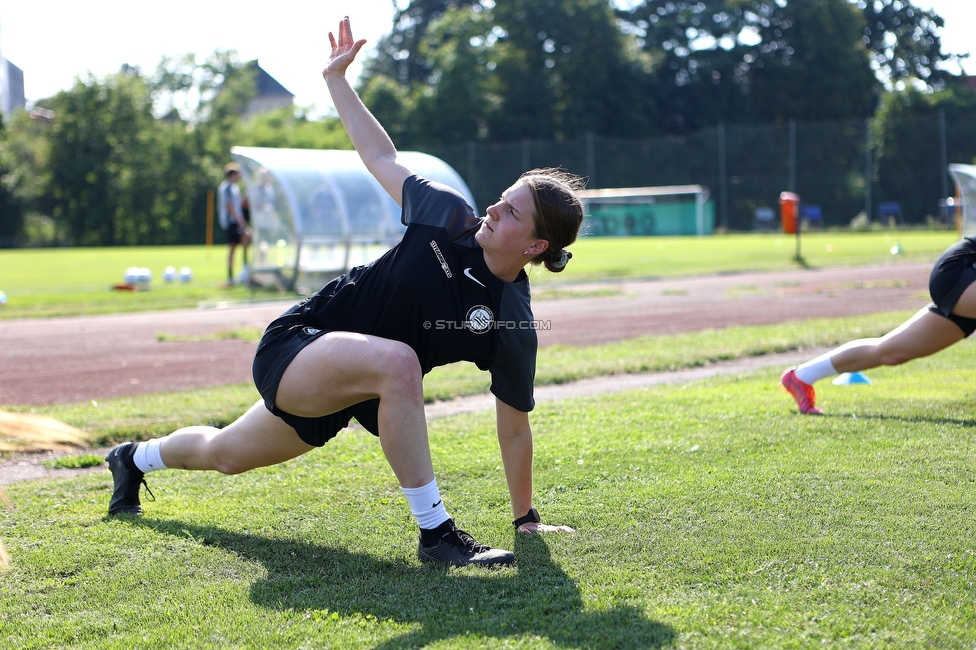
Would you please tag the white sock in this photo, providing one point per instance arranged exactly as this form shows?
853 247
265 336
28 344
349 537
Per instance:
816 369
426 505
147 457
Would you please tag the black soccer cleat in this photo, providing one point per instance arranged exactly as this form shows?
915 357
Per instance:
458 548
127 478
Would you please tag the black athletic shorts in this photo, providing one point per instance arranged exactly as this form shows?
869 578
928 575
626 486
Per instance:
950 277
234 233
282 341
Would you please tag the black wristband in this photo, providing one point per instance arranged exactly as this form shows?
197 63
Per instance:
531 517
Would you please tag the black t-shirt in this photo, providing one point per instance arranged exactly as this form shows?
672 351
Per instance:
434 292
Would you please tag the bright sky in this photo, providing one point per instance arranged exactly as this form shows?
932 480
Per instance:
56 41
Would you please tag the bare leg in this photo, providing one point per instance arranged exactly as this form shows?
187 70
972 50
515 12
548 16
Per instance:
966 305
230 262
256 439
341 369
923 334
245 242
335 371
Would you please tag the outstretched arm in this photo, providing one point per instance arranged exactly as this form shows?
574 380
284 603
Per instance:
515 441
368 136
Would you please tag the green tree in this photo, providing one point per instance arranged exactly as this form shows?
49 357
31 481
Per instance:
399 52
552 69
207 96
101 158
565 68
820 68
909 130
455 98
288 128
24 155
11 208
131 158
904 42
754 60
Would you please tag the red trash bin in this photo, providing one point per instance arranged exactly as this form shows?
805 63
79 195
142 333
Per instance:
789 210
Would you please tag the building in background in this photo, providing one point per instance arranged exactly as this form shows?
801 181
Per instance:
270 94
11 87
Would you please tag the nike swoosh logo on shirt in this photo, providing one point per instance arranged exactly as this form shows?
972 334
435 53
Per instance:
467 272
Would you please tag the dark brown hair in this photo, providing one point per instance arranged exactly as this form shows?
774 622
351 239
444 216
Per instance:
558 213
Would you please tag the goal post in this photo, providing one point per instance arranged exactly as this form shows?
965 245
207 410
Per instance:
965 199
667 210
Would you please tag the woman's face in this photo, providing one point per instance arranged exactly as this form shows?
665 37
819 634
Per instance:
510 223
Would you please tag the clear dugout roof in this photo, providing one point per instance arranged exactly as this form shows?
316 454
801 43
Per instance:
321 211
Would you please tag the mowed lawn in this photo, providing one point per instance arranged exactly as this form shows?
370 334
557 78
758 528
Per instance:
707 515
72 281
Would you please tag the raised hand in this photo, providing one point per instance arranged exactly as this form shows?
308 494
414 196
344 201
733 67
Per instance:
343 52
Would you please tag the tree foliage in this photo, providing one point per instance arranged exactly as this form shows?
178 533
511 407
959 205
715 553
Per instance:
129 158
755 60
904 42
486 71
909 131
11 207
287 128
500 71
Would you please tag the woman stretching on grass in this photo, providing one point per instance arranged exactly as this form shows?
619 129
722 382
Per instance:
950 318
453 289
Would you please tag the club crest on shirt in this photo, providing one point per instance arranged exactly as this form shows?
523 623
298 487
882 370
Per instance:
440 258
479 319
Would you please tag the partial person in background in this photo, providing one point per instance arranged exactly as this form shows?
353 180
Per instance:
230 212
948 319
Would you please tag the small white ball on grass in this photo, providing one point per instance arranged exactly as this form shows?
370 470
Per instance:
169 274
186 274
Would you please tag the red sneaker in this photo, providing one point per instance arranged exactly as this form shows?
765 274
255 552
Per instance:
801 392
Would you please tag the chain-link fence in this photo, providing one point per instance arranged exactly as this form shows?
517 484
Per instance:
839 169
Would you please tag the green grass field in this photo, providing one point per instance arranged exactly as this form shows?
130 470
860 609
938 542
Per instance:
61 282
708 515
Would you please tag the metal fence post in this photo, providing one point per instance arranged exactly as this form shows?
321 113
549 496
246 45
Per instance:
944 171
868 174
472 173
723 189
590 158
792 180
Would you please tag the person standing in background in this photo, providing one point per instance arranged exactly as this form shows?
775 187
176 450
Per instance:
230 212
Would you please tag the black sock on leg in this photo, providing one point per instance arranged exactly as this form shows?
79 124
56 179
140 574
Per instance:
430 536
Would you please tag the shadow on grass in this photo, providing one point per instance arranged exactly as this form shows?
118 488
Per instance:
913 419
537 598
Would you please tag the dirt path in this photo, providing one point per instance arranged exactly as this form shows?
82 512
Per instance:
62 360
100 357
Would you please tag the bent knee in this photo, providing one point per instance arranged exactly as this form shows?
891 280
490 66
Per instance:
400 369
399 361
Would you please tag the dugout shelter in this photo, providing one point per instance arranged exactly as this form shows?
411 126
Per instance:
965 199
317 213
